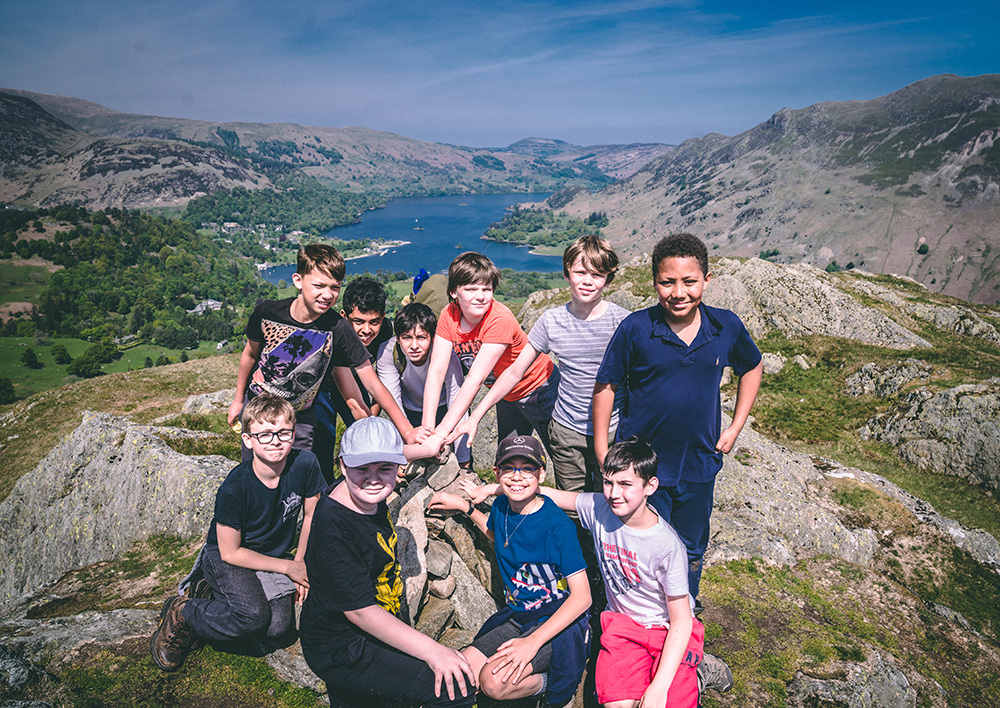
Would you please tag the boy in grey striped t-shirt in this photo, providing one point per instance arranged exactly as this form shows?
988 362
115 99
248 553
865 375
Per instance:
577 334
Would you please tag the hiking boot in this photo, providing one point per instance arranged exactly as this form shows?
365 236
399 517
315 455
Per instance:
171 641
714 673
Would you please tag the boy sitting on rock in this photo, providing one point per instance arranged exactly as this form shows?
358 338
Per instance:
538 643
243 561
352 634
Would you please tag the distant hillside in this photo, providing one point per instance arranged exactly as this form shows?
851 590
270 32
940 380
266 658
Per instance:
617 161
360 159
45 162
908 183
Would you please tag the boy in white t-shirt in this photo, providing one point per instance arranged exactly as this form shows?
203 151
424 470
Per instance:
651 644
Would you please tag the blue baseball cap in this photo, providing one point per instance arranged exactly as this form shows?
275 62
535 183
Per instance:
371 440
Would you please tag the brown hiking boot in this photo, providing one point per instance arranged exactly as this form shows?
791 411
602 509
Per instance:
172 640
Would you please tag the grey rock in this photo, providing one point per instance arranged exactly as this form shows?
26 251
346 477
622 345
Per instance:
457 639
442 587
106 485
16 672
873 379
800 300
773 363
625 298
438 559
440 476
801 362
728 292
473 605
954 432
208 403
435 617
411 540
875 684
951 614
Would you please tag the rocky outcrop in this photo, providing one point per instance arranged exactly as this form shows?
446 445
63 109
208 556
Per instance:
872 379
108 484
875 683
800 300
954 432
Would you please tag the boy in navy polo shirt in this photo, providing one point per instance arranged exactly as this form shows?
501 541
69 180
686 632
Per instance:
669 360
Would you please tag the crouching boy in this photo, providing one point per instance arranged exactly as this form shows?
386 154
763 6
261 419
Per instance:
352 636
243 561
539 642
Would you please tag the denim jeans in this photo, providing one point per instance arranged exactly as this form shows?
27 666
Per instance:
533 412
240 609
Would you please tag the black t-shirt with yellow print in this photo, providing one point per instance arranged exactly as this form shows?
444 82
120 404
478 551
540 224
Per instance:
351 562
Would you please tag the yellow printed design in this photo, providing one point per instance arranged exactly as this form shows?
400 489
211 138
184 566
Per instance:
389 586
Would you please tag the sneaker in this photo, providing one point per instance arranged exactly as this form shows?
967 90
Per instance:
714 673
698 607
172 639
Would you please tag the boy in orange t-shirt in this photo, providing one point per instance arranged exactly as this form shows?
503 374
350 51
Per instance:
487 339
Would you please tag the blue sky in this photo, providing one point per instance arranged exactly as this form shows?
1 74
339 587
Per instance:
490 73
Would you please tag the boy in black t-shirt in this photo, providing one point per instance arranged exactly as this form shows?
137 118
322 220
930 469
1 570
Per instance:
243 561
291 344
352 635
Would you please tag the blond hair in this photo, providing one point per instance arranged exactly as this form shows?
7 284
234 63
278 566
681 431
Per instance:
266 408
597 254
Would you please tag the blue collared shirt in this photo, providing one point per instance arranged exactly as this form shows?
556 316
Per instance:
672 389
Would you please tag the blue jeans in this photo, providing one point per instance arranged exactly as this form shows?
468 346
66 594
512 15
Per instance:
533 412
240 609
687 507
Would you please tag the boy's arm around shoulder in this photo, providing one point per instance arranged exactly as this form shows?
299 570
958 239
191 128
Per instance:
674 647
233 552
449 666
746 394
248 360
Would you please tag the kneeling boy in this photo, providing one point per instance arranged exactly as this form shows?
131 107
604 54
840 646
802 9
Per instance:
256 515
538 643
352 636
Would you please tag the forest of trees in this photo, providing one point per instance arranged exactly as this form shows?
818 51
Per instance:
544 228
126 272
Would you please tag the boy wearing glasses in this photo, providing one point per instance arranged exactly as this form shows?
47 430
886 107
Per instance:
538 643
244 562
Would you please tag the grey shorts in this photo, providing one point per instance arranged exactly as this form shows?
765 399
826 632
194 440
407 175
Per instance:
491 641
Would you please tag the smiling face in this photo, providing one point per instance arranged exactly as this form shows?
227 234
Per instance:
369 484
416 345
680 283
318 291
366 324
519 478
585 283
474 300
275 451
627 494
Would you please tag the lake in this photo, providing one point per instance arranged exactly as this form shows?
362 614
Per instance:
445 222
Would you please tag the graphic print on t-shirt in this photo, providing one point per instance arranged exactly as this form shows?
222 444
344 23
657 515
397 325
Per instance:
536 584
293 362
619 567
467 352
389 586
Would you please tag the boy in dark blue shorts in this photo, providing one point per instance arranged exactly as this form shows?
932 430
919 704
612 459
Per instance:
669 360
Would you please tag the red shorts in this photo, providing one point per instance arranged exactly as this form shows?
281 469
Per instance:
630 654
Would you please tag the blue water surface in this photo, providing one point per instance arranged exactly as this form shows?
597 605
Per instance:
445 223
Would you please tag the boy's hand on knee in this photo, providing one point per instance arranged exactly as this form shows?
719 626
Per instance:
653 697
450 667
512 659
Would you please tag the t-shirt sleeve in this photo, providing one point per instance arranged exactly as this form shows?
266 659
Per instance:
347 348
671 572
254 330
744 355
538 337
230 506
585 509
499 326
447 323
570 556
388 374
617 360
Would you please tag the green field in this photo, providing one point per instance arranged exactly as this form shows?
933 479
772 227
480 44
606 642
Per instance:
22 283
51 375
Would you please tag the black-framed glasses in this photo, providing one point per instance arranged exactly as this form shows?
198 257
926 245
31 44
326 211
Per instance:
268 436
507 470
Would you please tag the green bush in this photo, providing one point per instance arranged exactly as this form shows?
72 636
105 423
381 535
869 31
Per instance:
923 249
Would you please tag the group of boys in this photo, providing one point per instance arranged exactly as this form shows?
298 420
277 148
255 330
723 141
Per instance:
644 376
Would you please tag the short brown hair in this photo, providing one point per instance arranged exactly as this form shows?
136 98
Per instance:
471 268
597 254
266 408
321 256
680 246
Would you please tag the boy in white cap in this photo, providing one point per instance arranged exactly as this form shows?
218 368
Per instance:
352 635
